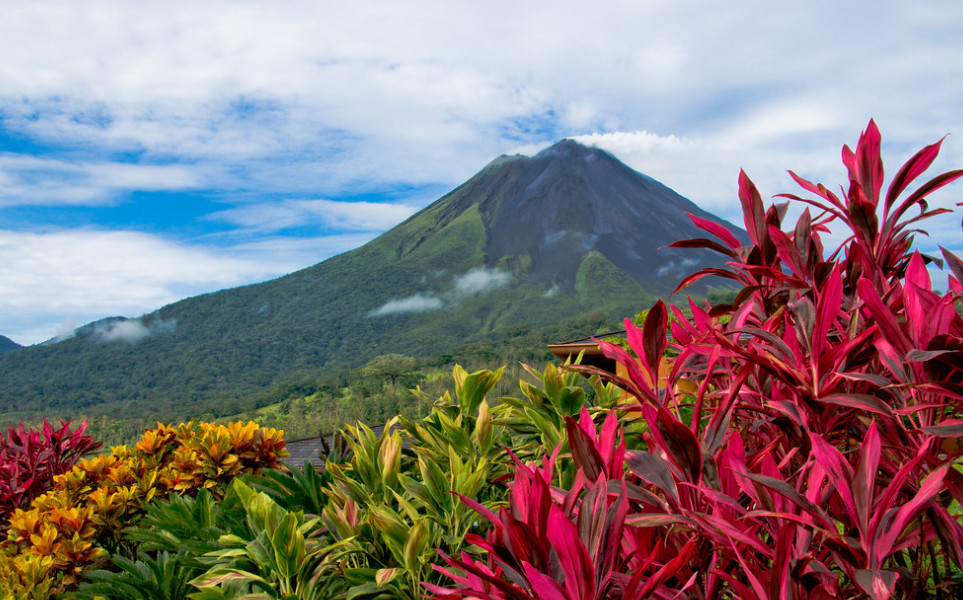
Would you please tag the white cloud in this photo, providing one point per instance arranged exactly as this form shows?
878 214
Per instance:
417 303
473 282
352 216
28 180
680 268
304 98
130 331
86 274
477 281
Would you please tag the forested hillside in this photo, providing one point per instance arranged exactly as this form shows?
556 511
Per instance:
6 344
527 242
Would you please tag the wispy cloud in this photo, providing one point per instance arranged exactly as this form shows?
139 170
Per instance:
472 283
352 216
416 303
29 180
480 280
129 331
288 103
85 274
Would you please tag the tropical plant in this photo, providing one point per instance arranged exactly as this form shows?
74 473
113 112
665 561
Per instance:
393 503
31 458
803 443
80 521
537 421
159 576
169 540
552 542
276 556
300 488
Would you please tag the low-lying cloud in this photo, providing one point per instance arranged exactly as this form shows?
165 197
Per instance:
680 267
472 283
129 330
417 303
480 280
117 329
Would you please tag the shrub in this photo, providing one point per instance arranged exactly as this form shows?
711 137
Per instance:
30 458
804 440
79 522
393 503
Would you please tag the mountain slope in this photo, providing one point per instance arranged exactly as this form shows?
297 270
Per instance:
7 345
527 241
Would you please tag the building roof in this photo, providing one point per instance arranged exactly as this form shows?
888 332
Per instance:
311 448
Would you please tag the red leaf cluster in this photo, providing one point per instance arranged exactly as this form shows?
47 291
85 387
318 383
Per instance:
803 443
30 458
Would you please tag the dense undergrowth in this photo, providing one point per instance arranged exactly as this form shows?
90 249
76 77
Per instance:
802 441
371 393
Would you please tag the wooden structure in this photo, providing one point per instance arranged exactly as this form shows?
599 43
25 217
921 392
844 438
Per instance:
592 355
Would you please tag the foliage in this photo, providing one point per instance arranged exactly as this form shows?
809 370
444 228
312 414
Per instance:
801 438
30 459
80 520
151 577
538 421
275 556
313 399
170 539
553 542
392 505
803 442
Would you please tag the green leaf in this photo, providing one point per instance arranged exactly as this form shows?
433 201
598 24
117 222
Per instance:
471 389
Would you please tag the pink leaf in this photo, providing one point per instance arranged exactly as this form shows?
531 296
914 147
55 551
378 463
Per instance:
752 210
544 586
877 583
780 583
860 401
669 569
819 190
954 263
926 189
865 480
828 306
799 500
701 243
681 444
947 428
584 451
910 170
653 469
838 468
715 229
909 511
882 316
577 567
870 165
653 339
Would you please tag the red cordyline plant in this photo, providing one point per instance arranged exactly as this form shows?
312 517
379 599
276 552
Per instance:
30 458
568 544
803 446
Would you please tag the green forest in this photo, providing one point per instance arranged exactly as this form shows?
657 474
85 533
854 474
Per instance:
371 393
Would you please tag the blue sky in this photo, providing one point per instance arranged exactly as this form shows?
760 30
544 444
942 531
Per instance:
152 151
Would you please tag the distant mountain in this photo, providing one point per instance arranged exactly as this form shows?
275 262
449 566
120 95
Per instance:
7 345
528 241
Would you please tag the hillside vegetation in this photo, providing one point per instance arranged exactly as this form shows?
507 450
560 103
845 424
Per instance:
800 441
527 242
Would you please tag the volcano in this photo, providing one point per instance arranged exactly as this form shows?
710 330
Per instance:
526 242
